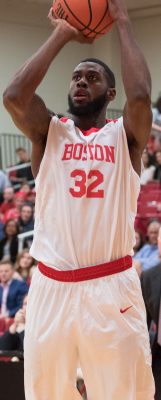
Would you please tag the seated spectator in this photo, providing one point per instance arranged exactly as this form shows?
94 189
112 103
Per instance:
30 198
9 244
8 200
25 188
4 182
157 173
25 265
138 241
26 220
156 111
1 230
13 338
12 291
148 255
151 288
14 213
148 171
24 174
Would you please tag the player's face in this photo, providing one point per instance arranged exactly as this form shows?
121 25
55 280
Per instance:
88 89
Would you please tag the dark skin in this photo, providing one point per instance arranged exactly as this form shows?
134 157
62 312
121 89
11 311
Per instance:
31 115
90 77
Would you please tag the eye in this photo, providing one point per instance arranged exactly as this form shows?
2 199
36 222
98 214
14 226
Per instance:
76 78
92 77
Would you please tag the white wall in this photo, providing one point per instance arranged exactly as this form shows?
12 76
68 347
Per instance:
24 29
148 34
19 39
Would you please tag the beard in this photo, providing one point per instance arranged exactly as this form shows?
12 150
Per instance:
94 106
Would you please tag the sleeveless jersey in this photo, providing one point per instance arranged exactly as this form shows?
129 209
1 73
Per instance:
86 197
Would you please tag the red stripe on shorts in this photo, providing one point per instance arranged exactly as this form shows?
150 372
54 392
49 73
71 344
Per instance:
84 274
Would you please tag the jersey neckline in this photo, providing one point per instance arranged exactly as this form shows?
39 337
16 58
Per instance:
89 131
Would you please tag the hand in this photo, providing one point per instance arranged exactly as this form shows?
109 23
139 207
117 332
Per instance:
118 9
72 32
20 317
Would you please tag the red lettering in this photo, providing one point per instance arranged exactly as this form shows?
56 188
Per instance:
68 152
99 156
110 154
78 150
91 154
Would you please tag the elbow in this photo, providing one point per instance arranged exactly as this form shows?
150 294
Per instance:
12 101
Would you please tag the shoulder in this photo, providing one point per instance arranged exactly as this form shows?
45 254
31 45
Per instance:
145 248
16 283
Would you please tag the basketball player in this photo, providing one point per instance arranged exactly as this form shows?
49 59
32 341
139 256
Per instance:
85 300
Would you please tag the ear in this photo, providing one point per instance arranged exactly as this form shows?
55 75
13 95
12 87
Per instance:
111 93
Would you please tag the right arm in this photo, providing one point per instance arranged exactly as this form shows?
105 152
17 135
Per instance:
26 108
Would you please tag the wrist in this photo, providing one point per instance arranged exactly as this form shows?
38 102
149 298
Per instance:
123 21
64 34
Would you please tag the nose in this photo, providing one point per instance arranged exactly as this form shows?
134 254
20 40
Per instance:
82 83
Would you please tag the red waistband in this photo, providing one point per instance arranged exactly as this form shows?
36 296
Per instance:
84 274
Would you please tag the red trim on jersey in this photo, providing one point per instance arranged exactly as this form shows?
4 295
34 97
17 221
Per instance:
85 274
91 130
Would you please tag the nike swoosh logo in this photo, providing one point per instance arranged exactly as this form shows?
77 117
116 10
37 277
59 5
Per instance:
123 310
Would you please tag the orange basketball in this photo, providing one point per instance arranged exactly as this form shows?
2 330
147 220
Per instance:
91 17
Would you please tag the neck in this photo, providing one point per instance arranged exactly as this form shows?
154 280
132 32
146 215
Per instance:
86 122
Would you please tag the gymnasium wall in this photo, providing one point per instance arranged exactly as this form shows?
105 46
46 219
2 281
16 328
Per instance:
23 30
20 37
148 34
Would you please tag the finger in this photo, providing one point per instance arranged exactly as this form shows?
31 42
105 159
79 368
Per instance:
50 13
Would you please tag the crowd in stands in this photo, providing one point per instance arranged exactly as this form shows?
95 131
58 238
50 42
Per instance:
17 201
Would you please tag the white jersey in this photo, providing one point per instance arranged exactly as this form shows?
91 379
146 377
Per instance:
86 197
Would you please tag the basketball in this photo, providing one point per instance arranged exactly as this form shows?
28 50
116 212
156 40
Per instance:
91 17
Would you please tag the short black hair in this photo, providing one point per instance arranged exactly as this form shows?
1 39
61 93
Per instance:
109 74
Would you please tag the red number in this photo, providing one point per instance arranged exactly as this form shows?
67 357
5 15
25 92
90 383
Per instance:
80 184
99 179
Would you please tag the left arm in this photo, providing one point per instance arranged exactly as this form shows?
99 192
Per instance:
137 114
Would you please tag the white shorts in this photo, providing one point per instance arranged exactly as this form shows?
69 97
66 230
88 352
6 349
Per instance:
99 324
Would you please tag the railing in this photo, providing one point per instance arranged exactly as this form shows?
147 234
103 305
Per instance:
22 237
17 168
8 144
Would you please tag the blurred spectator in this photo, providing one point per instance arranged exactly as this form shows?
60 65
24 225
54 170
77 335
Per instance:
156 125
157 173
25 265
138 245
156 110
25 188
30 198
1 230
24 174
8 200
9 244
4 182
26 220
148 255
13 338
14 213
148 171
12 291
151 288
138 241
